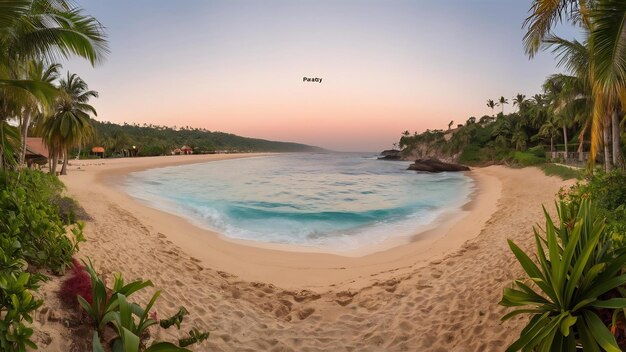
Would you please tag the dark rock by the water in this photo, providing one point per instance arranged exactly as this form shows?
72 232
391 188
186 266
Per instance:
434 165
391 154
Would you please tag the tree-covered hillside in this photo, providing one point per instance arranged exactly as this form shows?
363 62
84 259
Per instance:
557 120
151 140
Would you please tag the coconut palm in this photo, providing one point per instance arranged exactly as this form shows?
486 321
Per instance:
603 21
519 100
70 125
608 42
545 14
550 131
37 72
561 90
491 104
40 30
503 101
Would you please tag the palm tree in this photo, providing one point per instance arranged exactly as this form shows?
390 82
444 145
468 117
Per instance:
603 21
502 101
549 130
545 14
519 100
40 30
607 40
491 104
560 90
519 139
37 72
503 131
70 125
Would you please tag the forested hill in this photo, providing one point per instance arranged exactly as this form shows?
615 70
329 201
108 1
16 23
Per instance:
153 140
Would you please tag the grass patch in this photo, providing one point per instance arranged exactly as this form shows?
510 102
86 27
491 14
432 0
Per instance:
564 172
527 159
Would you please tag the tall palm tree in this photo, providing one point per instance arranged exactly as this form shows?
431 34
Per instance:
604 22
70 125
561 90
491 104
503 101
519 100
37 72
40 30
608 41
545 14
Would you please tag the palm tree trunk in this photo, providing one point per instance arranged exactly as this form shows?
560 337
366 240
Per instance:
25 124
66 158
551 144
55 162
616 139
606 136
581 143
565 141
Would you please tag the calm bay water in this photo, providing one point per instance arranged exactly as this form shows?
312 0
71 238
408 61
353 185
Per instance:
338 201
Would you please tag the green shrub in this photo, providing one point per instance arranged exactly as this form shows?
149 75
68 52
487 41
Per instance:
538 151
527 159
564 292
16 306
470 155
31 233
607 189
35 224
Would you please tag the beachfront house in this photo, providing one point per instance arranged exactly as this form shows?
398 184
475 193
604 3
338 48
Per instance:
36 152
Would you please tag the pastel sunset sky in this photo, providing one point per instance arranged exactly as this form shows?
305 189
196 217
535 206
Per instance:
237 66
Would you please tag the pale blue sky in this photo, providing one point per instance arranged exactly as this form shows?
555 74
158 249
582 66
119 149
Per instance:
237 66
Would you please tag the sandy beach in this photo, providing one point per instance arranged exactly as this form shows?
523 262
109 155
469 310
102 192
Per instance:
439 292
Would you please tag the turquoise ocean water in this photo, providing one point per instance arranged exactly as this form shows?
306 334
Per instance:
338 201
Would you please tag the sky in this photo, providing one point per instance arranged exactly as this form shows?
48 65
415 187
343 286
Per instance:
237 66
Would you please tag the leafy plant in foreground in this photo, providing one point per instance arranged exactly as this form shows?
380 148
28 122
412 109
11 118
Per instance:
130 332
564 291
16 305
104 305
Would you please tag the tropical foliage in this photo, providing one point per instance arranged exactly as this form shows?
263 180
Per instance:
34 34
153 140
568 285
32 236
111 308
70 124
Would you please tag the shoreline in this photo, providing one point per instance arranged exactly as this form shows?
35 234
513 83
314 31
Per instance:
429 295
286 265
445 220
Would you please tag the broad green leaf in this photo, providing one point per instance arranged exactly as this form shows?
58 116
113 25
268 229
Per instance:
600 332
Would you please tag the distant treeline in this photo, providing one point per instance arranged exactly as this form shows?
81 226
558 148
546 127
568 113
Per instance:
153 140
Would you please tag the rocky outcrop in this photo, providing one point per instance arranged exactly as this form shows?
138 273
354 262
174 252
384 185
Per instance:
390 154
435 165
